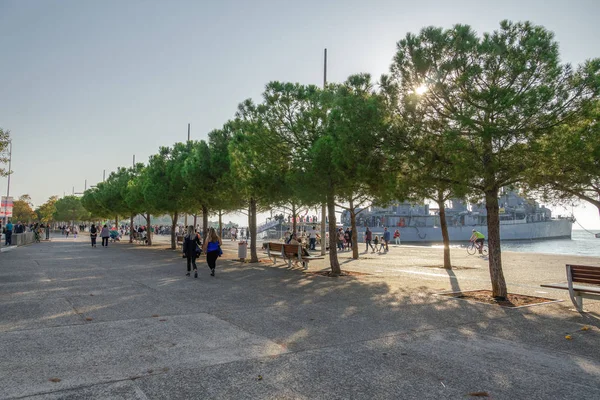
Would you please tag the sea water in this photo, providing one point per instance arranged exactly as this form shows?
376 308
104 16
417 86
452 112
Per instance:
582 243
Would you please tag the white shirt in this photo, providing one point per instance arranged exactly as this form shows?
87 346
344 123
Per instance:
312 233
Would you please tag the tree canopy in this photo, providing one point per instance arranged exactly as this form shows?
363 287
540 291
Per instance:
461 114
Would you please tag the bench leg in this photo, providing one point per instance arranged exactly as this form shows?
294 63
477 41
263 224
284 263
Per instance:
578 301
305 264
289 263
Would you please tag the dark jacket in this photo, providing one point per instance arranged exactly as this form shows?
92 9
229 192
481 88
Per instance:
189 245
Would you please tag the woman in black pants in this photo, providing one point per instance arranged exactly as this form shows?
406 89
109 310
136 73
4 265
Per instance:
212 248
190 241
93 234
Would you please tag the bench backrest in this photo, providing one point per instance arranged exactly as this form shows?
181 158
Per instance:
294 250
275 247
583 274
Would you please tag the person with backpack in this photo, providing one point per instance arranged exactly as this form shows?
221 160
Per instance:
93 234
212 248
191 245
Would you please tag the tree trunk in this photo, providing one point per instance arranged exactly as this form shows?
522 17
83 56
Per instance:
205 222
195 221
493 224
173 225
116 222
253 253
333 259
323 220
444 225
220 222
293 219
148 230
131 229
354 232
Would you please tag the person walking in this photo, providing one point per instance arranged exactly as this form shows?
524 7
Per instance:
340 241
67 231
212 248
387 237
48 231
368 238
348 238
312 238
376 243
75 231
105 234
8 233
93 234
191 241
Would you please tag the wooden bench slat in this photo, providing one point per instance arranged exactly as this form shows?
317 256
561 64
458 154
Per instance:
587 280
585 272
584 268
582 274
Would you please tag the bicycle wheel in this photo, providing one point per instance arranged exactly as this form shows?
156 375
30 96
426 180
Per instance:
484 250
471 249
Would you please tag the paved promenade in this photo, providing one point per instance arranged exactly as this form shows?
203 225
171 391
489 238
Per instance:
124 322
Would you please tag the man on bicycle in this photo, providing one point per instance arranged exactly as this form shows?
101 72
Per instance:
479 239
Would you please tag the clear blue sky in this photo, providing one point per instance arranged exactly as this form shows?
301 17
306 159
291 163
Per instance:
84 85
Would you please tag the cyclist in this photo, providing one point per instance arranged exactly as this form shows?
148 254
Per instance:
479 239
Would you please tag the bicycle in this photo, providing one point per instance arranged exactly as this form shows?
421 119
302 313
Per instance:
472 249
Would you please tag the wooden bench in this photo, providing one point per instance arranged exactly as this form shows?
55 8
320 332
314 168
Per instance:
580 274
289 252
179 241
137 237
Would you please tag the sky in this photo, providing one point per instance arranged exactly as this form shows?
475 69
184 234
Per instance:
85 85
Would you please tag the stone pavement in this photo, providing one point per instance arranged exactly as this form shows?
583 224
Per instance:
124 322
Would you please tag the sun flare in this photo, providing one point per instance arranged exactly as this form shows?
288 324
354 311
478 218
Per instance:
421 90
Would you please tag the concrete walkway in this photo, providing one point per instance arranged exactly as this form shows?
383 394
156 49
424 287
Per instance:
124 322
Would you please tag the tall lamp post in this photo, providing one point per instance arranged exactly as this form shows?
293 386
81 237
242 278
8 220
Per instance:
8 188
324 205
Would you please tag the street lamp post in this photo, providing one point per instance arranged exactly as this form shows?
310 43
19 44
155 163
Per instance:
186 216
8 187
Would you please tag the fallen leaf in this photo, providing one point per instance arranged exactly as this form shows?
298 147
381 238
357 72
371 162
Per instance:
259 378
479 394
568 337
162 319
585 328
54 380
89 319
155 315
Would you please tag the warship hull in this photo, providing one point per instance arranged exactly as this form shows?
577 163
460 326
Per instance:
552 229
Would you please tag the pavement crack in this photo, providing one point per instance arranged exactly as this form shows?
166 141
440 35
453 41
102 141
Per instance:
75 308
